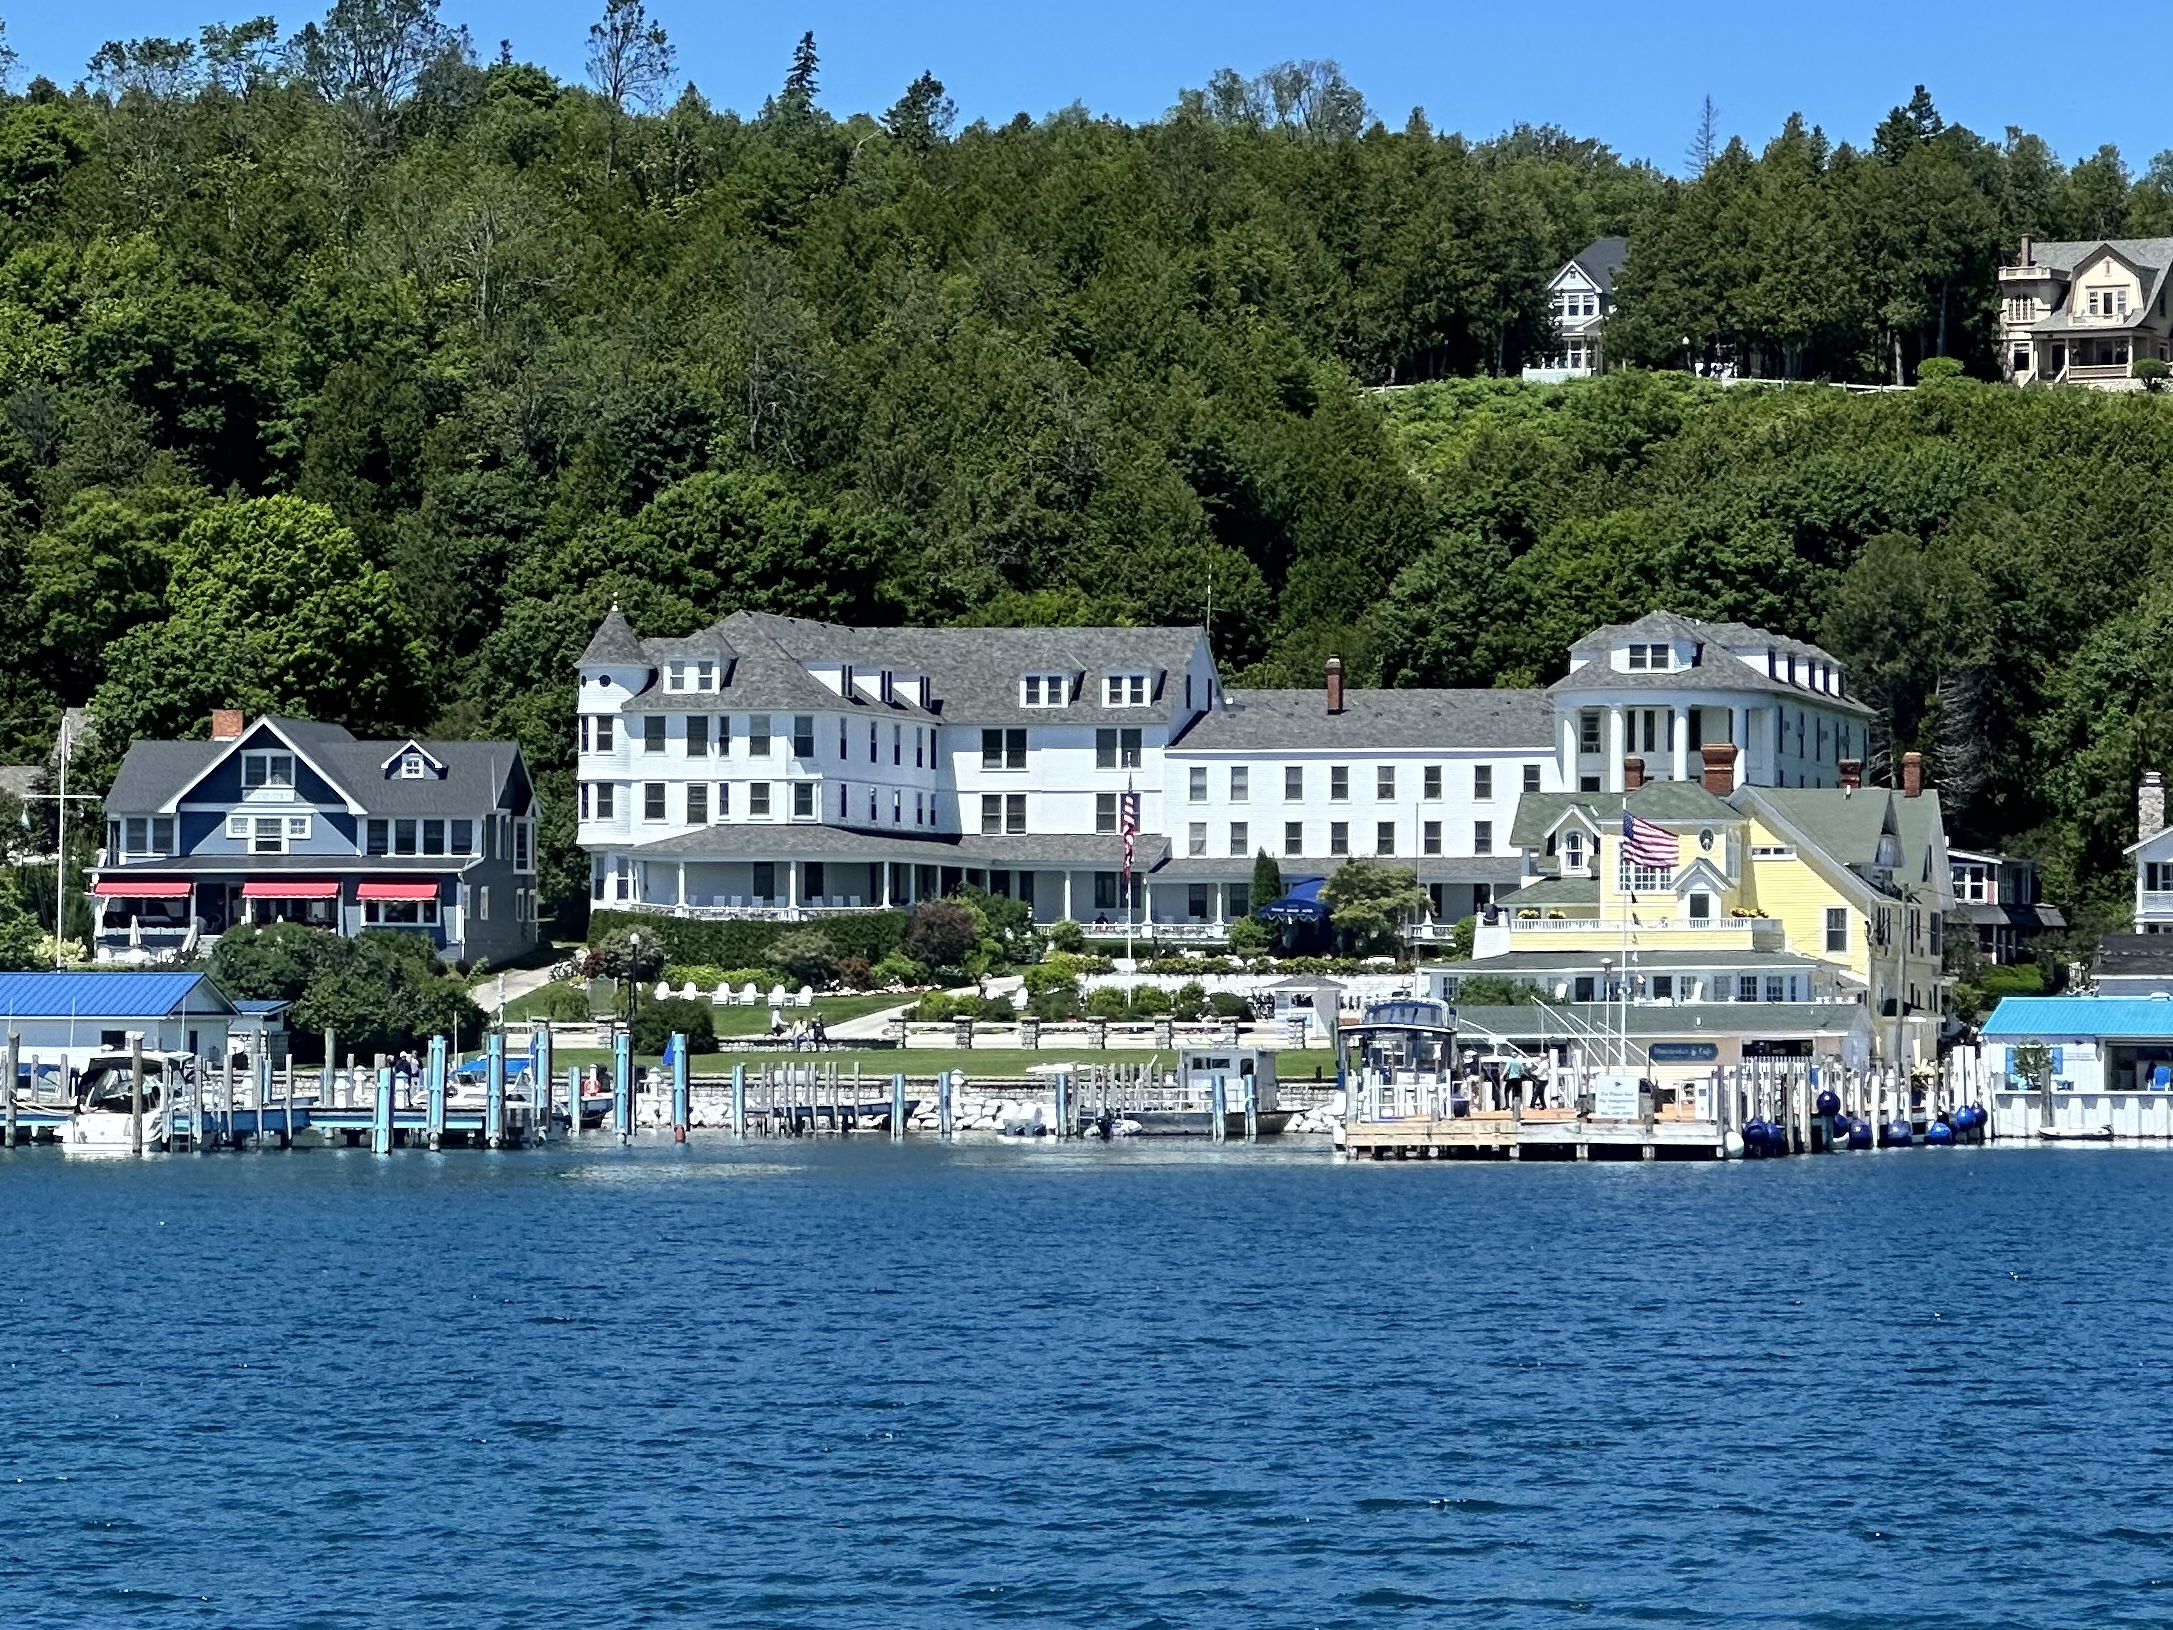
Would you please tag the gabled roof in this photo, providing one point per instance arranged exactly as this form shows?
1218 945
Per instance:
1600 260
1844 827
1669 803
92 996
479 775
1444 721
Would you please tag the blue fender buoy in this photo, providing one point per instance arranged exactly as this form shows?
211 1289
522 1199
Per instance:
1897 1135
1939 1134
1829 1102
1859 1132
1757 1135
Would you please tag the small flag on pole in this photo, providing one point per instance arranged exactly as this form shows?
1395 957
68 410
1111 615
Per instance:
1128 822
1644 844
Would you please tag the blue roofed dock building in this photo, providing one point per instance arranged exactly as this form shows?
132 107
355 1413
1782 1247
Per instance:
287 820
65 1019
2108 1060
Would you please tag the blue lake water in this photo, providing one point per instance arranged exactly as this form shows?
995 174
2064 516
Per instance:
792 1385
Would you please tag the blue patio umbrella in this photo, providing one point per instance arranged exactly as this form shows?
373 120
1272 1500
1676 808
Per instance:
1302 904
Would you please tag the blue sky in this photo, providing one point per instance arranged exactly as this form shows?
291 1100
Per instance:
1630 75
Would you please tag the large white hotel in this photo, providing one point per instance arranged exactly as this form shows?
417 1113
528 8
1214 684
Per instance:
771 766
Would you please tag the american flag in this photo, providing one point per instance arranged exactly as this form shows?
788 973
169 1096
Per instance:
1644 844
1128 822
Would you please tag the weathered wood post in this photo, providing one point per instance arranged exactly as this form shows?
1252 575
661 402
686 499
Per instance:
263 1074
944 1128
739 1102
1218 1107
436 1086
573 1100
494 1090
135 1092
381 1114
682 1100
331 1062
897 1107
1252 1106
15 1059
622 1086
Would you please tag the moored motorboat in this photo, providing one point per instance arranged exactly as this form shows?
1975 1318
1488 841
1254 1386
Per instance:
104 1118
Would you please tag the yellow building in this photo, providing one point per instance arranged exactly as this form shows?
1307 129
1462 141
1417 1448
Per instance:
1853 878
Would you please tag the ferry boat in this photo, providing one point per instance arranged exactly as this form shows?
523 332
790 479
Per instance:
1398 1064
103 1119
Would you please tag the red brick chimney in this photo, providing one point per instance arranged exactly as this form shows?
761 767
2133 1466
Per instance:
1719 767
1633 774
226 724
1912 775
1335 684
1852 774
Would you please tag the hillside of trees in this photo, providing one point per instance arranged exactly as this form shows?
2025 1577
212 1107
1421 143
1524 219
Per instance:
355 374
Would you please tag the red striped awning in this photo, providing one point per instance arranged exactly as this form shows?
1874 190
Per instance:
115 888
397 891
265 889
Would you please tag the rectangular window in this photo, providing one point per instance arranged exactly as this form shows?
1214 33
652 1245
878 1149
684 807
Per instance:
917 748
1240 900
1482 782
139 835
1105 812
697 803
1240 839
403 837
675 676
1701 908
652 800
603 732
875 741
1531 778
705 675
1582 989
267 770
758 800
758 735
1384 838
803 735
1293 837
584 732
697 736
1240 784
1663 987
433 837
1482 837
1196 902
992 814
270 837
764 879
604 811
1105 891
1384 784
1339 783
897 807
1014 813
897 744
297 828
844 740
652 732
992 749
1430 782
1837 928
162 834
1196 838
1339 837
803 800
1430 838
1293 783
1128 749
1776 988
1588 732
724 799
1014 749
1196 784
1105 749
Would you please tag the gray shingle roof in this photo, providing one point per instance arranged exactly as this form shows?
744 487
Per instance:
2150 256
1720 670
1651 1019
1374 720
1601 259
480 775
615 643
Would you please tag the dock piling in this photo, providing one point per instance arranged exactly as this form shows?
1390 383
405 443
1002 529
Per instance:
943 1105
682 1106
135 1092
1218 1108
381 1117
15 1058
622 1086
494 1090
1252 1107
539 1072
897 1109
436 1068
739 1102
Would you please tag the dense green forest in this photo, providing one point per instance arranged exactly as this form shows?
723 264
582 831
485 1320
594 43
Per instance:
354 374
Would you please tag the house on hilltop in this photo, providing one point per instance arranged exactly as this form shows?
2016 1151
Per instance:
1583 293
2086 312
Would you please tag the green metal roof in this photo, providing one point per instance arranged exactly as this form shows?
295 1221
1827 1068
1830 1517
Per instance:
1554 891
1673 803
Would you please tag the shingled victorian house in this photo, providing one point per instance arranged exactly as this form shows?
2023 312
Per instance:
2085 312
287 820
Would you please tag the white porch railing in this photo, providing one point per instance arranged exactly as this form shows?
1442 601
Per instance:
754 913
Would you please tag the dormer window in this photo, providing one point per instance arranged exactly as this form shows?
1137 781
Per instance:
705 676
260 771
1125 690
675 676
1655 658
1573 851
414 767
1043 690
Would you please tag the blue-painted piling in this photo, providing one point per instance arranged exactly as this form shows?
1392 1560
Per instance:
1218 1107
494 1077
897 1109
682 1097
381 1118
539 1072
436 1083
943 1105
622 1086
739 1101
573 1100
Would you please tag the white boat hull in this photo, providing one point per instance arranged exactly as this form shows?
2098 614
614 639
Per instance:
101 1132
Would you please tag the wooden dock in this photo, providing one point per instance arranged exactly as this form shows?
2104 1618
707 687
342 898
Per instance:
1535 1135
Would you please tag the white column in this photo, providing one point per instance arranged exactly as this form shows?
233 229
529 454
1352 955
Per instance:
1612 779
1214 896
1067 894
681 897
1678 731
1569 750
792 884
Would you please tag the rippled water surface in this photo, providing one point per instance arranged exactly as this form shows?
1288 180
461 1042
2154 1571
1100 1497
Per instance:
828 1386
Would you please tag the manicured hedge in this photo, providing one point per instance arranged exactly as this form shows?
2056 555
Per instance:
742 943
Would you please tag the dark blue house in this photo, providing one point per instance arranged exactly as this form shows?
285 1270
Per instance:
284 820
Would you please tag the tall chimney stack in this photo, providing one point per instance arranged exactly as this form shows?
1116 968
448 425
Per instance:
1633 774
226 724
1335 684
1852 774
1912 775
2150 806
1719 767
